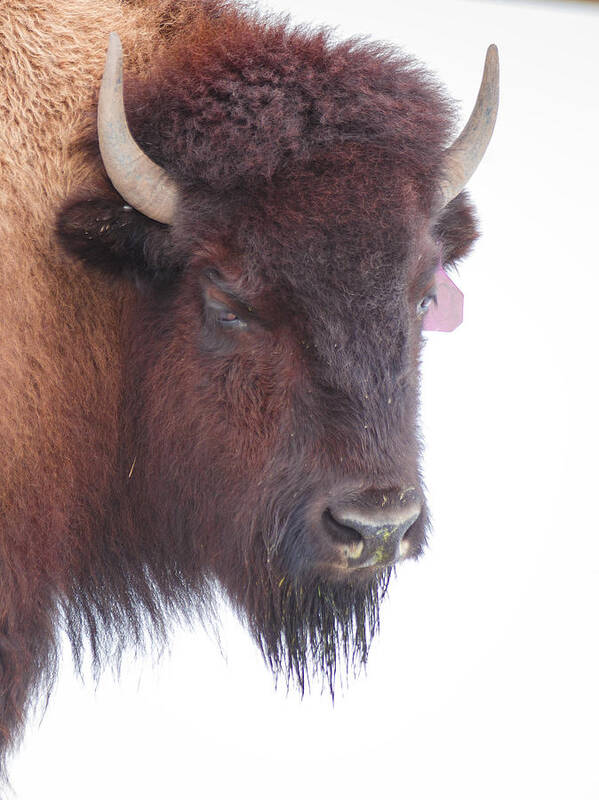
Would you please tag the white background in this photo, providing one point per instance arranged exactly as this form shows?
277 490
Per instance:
484 680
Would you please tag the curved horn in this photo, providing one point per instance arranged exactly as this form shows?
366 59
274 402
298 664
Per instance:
141 182
465 154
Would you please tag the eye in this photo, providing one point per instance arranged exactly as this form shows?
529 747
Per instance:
228 319
425 304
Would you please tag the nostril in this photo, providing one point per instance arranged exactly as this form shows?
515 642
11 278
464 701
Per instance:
371 529
340 533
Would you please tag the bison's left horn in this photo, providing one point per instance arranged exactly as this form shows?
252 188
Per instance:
465 154
141 182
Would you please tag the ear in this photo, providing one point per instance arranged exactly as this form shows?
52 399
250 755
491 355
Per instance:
457 229
109 235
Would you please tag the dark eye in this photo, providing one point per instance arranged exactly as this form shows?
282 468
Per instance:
425 303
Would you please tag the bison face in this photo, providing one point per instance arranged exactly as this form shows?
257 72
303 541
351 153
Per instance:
271 350
270 402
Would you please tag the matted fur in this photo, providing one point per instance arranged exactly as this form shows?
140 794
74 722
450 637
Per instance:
142 454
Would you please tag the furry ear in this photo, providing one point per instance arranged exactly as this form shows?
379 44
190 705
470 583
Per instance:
109 235
457 229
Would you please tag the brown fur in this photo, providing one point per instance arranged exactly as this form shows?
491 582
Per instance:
143 454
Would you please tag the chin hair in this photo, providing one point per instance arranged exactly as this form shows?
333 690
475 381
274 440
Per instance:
316 629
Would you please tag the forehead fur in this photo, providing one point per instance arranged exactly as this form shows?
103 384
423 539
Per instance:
237 99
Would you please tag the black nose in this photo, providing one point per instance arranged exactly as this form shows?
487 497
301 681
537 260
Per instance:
370 530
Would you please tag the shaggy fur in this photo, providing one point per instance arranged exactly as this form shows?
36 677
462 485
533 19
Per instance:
147 451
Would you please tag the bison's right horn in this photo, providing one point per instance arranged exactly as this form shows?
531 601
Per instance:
141 182
465 154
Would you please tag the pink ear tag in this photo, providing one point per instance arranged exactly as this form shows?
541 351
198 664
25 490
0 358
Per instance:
448 312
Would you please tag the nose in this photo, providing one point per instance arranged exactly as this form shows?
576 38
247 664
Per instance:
370 530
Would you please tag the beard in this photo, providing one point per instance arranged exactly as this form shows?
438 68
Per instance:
317 629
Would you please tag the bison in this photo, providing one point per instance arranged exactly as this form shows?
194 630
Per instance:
211 315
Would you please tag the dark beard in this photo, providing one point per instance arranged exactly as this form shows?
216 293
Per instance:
318 630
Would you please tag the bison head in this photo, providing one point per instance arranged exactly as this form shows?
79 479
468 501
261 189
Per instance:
282 218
